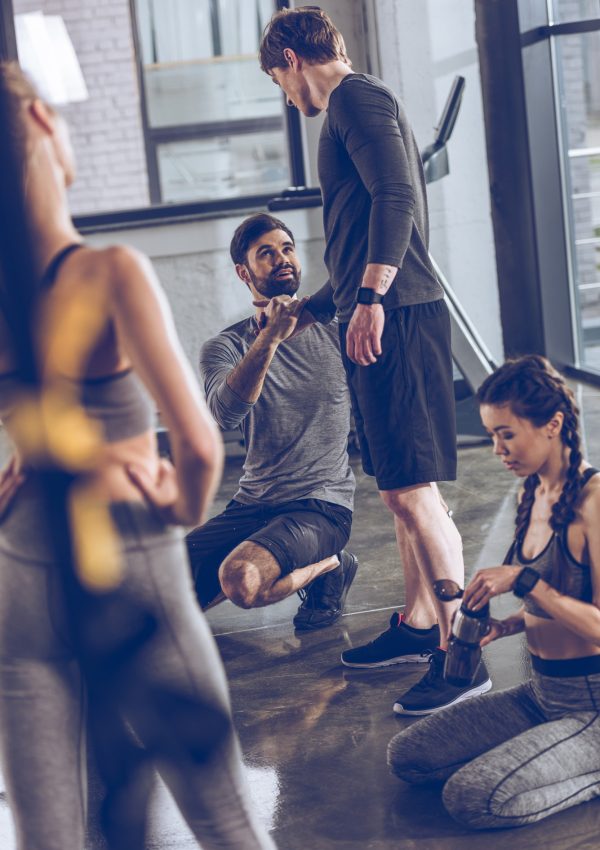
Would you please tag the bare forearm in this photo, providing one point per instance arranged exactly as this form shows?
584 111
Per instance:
247 378
513 625
581 618
379 277
198 477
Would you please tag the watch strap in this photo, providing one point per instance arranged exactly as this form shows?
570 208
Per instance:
525 582
368 296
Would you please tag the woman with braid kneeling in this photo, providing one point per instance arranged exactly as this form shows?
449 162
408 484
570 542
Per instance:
514 757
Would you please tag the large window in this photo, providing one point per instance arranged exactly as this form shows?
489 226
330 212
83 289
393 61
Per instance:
178 111
214 122
566 11
577 59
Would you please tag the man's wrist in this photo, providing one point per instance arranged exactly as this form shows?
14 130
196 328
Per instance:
367 295
268 336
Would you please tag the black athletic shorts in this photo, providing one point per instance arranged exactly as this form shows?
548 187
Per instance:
296 533
403 404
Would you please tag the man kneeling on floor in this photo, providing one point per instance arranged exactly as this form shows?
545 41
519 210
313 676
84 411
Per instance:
290 519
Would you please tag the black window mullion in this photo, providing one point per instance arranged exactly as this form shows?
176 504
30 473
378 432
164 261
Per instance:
8 39
215 26
295 147
154 189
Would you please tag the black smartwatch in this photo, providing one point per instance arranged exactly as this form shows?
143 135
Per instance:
525 582
368 296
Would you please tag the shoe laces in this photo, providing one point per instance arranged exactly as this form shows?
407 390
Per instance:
435 671
307 595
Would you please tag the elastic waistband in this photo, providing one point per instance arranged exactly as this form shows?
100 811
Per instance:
563 668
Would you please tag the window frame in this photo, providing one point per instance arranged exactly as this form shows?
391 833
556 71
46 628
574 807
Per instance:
526 164
157 212
571 354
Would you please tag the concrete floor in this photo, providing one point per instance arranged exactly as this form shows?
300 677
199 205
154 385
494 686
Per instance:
314 734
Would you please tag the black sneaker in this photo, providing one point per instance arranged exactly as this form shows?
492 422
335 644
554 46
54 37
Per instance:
324 598
433 693
398 645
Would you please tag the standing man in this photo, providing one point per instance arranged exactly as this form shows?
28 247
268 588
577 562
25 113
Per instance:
290 519
394 328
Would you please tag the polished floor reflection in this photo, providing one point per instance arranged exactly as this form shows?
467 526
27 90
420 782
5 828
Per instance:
314 734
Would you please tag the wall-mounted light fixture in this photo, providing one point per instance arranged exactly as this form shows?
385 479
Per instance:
47 54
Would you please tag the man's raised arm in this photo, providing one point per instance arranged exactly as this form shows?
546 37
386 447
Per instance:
233 384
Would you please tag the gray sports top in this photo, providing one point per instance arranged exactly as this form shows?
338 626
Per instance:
555 559
120 402
296 433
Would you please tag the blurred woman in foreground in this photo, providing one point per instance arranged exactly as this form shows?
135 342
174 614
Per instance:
133 362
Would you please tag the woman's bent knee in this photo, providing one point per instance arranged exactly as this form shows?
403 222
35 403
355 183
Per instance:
470 802
407 760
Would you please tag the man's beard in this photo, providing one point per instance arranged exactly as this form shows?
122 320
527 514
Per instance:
271 286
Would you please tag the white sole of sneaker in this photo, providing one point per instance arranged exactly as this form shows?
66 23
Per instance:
475 692
401 659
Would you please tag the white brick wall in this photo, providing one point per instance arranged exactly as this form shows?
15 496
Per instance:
106 129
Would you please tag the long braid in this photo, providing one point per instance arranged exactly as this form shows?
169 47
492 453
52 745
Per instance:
563 512
525 506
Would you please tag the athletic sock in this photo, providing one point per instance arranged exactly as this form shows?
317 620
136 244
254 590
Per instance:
418 631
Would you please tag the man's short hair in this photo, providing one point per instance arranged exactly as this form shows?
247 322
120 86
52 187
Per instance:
309 32
252 229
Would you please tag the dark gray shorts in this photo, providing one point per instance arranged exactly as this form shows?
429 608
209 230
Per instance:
296 533
403 404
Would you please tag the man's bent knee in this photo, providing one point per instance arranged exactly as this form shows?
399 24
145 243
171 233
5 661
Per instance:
241 582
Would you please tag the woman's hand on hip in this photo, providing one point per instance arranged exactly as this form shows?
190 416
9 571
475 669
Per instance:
162 491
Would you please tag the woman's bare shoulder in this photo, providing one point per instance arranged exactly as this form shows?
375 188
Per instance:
101 275
112 261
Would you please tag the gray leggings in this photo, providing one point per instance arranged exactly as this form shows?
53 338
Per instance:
509 758
41 700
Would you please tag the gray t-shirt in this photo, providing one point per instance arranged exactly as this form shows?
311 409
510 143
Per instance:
374 199
296 433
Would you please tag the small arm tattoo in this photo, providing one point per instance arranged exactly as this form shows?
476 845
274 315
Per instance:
386 280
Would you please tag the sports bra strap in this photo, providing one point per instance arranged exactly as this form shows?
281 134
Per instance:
56 262
589 473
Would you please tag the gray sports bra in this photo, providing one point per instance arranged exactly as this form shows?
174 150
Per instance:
119 401
555 559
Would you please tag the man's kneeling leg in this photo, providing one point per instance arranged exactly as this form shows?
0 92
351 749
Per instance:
252 577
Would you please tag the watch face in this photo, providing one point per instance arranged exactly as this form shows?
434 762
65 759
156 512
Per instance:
526 581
